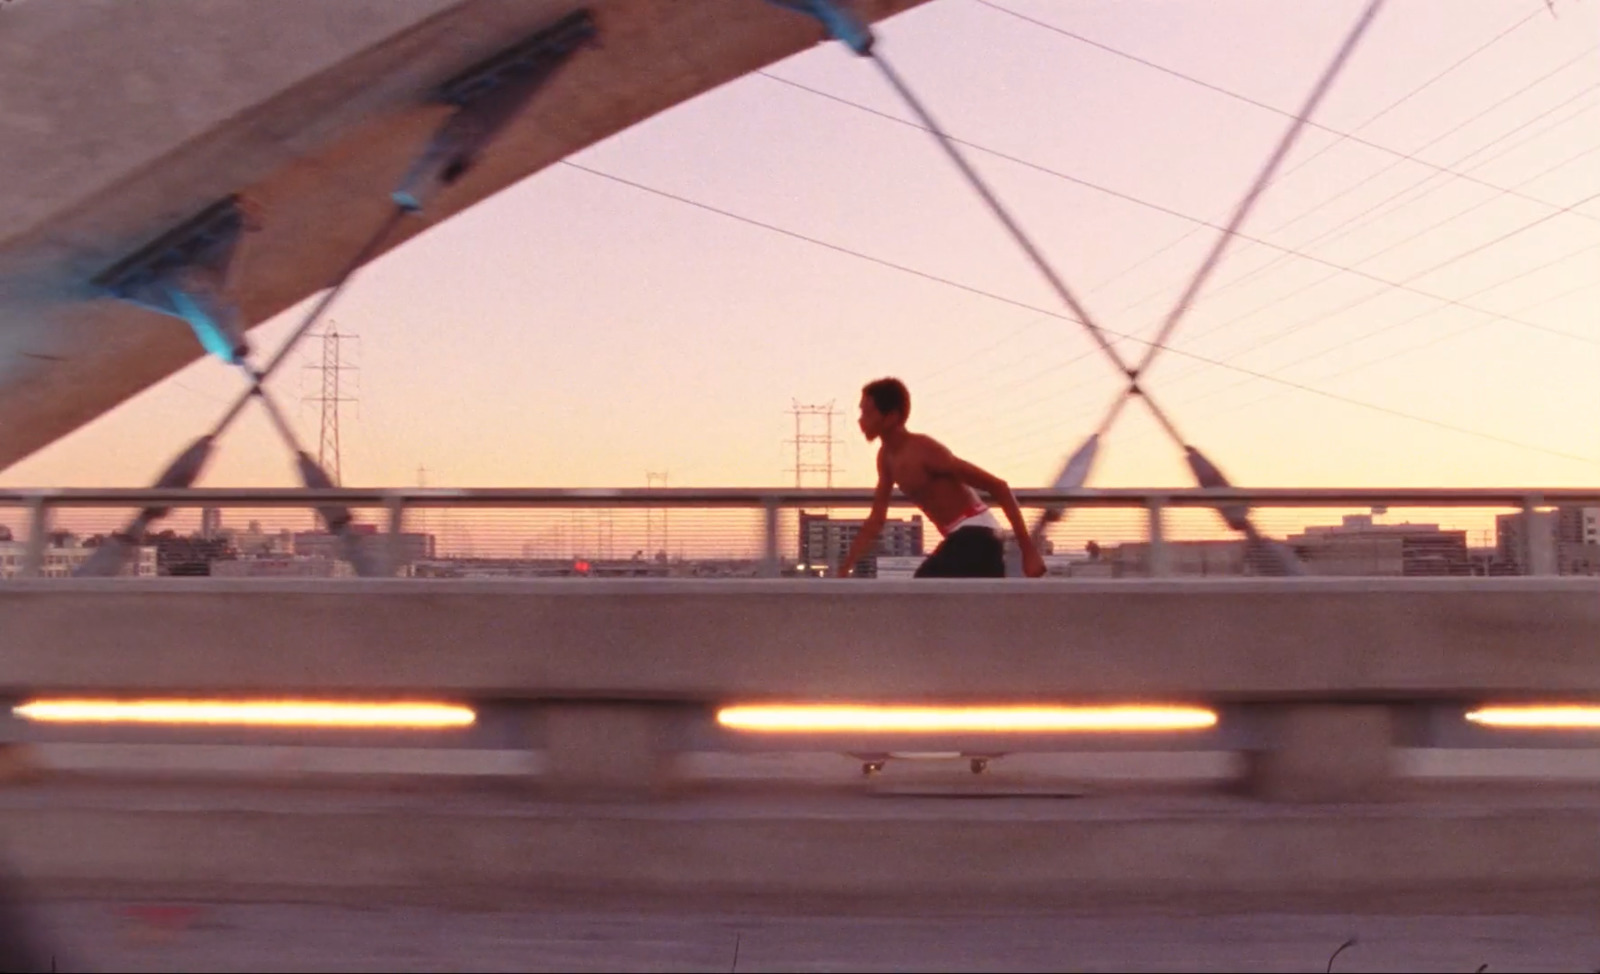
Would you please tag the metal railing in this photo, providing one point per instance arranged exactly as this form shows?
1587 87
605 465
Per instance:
1151 510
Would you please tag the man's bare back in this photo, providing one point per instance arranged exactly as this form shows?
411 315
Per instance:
945 487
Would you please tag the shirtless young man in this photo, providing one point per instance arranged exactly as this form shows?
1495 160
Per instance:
942 485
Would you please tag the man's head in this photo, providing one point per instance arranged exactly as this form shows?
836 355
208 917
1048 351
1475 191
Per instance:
885 404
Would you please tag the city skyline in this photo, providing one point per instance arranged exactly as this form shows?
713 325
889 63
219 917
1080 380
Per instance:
606 533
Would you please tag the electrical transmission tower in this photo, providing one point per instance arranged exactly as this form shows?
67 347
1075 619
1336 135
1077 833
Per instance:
813 455
808 445
656 538
328 450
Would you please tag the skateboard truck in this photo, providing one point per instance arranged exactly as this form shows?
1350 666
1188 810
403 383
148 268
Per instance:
486 97
183 274
873 764
843 24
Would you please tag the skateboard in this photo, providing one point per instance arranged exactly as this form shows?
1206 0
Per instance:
872 762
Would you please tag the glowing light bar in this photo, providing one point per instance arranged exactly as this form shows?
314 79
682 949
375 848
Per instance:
281 713
824 718
1569 716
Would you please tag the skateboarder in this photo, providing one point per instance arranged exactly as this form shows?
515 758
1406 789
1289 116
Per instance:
942 485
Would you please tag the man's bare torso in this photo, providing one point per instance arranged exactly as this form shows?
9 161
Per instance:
942 498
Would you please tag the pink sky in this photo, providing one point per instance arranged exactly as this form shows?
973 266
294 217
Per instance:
577 331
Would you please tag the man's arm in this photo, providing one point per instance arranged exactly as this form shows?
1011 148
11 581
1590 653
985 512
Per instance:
874 523
939 459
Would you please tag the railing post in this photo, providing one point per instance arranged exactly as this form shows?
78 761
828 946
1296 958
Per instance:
770 567
613 750
1538 538
1292 758
1159 564
395 506
38 535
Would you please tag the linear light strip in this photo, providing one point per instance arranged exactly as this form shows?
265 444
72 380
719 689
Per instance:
771 719
1558 716
280 713
825 718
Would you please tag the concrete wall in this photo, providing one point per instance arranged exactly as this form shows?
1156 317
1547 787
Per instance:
1209 640
929 855
121 118
1340 657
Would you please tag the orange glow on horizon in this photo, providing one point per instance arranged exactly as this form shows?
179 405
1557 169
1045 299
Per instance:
823 717
277 713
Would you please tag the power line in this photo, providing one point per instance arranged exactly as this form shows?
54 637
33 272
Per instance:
1083 315
1400 155
1546 299
1373 295
1054 314
1286 251
1332 232
1480 204
1049 369
1404 283
1035 429
1318 153
1357 221
1031 430
1472 327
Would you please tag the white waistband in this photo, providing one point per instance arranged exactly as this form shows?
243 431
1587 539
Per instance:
983 519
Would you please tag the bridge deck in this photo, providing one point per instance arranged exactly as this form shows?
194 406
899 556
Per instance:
499 846
110 936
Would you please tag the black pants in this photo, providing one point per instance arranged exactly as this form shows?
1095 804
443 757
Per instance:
971 552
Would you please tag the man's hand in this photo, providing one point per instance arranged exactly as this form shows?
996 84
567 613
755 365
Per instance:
1033 563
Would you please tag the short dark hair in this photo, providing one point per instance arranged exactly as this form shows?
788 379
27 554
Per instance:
890 396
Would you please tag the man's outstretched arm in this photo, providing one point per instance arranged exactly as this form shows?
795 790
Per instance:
941 460
874 523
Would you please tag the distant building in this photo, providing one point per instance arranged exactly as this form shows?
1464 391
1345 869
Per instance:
255 541
321 544
1568 537
281 566
1357 546
824 542
546 568
1578 525
61 560
1184 558
210 522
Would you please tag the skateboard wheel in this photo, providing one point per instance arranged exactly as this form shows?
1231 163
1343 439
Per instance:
872 767
979 765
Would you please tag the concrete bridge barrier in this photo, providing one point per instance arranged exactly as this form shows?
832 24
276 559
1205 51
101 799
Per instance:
1315 681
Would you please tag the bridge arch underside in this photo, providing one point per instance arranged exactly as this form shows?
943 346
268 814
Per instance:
122 121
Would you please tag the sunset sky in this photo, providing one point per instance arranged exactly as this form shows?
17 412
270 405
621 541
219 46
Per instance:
579 330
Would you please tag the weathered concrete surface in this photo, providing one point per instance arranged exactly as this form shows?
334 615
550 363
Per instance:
800 849
306 762
121 118
135 936
1207 641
